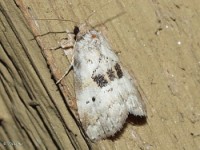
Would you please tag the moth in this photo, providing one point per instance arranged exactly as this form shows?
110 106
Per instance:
105 92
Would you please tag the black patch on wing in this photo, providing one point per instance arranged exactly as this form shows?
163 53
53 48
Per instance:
100 80
111 74
118 70
93 99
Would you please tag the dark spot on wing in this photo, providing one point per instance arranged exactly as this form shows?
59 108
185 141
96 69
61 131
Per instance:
100 58
118 70
76 63
110 90
111 74
89 61
100 80
93 99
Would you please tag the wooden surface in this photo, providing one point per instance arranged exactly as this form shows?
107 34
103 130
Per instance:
158 41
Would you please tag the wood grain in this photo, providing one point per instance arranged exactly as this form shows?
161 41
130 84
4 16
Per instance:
158 41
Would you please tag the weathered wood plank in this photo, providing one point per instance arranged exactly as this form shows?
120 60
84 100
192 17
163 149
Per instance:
33 114
157 40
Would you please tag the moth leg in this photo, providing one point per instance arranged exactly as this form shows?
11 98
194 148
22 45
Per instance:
66 72
68 43
63 44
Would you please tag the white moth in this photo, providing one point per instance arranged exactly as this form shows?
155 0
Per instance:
105 92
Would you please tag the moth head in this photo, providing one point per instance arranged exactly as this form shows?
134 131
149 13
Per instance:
80 30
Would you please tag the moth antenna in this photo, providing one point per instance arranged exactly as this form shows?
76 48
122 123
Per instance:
56 19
